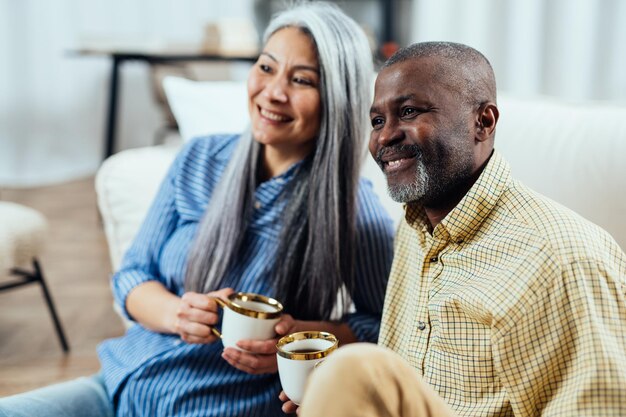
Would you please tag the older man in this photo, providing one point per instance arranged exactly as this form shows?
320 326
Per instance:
500 302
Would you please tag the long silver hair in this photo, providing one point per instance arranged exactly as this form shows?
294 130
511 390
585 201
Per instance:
315 255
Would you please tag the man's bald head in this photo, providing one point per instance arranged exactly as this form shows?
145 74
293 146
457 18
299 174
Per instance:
460 67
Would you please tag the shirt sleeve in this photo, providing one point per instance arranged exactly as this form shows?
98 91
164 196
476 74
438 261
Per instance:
567 355
373 257
141 261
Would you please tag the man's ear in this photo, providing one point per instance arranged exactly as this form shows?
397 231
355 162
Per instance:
486 120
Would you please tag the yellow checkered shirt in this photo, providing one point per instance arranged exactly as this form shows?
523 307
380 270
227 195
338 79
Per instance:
514 305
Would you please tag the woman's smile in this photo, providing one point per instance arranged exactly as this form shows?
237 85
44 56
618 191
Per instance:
273 116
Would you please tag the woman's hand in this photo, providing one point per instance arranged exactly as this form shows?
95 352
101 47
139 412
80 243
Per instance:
260 355
289 407
196 314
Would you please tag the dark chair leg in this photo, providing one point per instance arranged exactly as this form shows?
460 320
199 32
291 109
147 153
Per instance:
53 313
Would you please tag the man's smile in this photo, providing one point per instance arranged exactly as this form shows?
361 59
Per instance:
397 158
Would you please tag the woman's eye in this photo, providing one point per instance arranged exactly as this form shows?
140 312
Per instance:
303 81
264 68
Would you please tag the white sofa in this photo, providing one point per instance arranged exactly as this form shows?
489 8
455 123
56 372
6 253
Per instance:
573 153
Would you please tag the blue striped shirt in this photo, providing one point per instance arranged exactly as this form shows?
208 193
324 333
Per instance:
154 374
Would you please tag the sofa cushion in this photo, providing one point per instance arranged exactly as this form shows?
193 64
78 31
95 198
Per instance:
571 152
205 107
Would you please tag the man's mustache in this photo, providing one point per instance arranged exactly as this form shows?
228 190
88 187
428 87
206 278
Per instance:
400 150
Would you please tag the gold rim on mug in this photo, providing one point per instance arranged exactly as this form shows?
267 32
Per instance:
247 296
319 354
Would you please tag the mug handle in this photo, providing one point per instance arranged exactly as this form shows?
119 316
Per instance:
220 303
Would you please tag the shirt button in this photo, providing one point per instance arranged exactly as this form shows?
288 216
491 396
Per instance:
434 259
458 242
421 325
257 205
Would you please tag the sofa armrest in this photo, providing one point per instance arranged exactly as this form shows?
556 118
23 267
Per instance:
126 184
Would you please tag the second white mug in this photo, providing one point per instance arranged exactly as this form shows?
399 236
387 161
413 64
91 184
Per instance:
298 354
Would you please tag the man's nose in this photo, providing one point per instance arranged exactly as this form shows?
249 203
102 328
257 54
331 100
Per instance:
276 90
390 133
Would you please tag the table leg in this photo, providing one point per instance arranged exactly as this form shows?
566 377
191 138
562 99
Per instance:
112 111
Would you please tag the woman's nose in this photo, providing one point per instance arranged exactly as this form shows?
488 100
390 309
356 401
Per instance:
275 90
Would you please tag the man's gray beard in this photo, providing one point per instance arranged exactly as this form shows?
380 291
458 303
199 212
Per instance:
415 191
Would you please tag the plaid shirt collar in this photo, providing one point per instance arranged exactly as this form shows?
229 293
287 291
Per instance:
465 219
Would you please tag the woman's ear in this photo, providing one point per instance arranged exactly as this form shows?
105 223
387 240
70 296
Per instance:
486 120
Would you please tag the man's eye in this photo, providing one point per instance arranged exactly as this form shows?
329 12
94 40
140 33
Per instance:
377 122
409 111
264 68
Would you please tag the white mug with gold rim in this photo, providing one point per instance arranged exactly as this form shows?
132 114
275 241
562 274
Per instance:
247 316
298 354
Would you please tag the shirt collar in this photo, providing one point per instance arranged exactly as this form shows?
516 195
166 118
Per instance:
269 191
286 176
465 219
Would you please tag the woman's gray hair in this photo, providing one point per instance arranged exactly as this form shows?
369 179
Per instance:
315 256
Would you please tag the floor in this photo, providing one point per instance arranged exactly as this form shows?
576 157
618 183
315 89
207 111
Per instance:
76 265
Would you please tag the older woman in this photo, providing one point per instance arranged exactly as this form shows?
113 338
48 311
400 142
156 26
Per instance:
278 210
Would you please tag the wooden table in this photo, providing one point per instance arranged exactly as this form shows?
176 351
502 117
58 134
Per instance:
150 55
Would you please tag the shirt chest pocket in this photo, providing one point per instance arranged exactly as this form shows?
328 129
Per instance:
459 355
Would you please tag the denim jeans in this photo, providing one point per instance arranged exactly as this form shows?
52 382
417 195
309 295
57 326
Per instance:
82 397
